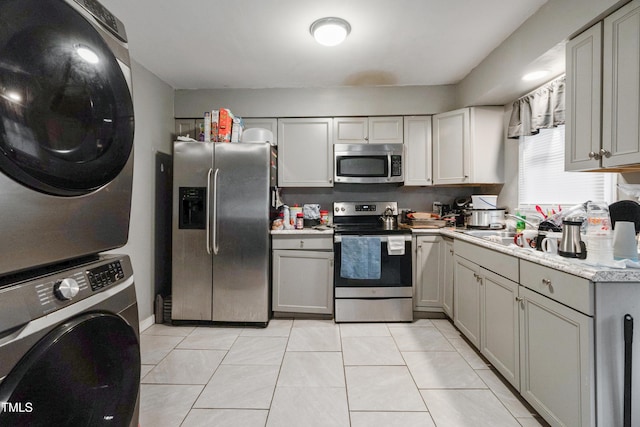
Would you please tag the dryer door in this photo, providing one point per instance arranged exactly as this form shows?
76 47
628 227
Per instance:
86 372
66 115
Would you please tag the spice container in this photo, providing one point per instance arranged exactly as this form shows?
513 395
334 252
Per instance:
299 221
324 217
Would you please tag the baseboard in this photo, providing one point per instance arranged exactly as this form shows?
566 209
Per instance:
147 323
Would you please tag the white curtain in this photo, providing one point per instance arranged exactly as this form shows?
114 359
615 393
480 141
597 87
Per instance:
541 109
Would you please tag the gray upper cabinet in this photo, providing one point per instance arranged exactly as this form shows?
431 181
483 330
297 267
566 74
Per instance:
418 148
603 94
350 130
305 152
385 130
468 146
368 130
583 103
621 87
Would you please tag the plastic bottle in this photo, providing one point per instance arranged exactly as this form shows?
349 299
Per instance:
520 224
599 236
287 218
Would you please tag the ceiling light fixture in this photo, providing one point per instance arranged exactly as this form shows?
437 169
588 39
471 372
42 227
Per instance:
330 31
535 75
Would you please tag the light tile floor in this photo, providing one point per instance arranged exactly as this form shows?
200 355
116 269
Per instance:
319 373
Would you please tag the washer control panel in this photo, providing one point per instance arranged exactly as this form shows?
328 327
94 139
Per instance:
63 289
46 290
105 275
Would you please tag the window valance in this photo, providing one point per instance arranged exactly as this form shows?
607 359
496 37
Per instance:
541 109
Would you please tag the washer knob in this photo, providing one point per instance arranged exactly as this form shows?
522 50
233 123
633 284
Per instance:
66 289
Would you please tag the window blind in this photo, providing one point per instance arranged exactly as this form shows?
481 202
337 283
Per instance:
543 180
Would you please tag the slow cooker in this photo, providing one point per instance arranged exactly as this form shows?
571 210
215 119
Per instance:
486 218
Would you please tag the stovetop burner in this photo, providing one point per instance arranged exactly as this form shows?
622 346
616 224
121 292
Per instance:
364 218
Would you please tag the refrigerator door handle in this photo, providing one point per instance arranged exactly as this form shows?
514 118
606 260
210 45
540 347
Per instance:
215 212
208 226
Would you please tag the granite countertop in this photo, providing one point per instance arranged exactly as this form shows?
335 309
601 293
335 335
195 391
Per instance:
309 230
577 267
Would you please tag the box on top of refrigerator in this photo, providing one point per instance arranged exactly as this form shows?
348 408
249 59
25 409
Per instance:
214 126
206 134
237 129
225 123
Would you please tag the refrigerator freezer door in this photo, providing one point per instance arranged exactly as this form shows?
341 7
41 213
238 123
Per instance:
191 263
240 224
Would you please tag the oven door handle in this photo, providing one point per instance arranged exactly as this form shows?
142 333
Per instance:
337 238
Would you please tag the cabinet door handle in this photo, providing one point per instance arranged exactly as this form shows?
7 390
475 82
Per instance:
593 155
519 299
605 153
546 282
451 251
301 244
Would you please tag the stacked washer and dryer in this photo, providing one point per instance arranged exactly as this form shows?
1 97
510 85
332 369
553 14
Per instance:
69 339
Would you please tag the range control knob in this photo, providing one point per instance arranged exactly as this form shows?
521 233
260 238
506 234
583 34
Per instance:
66 289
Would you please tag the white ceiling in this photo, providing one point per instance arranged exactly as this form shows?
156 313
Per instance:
208 44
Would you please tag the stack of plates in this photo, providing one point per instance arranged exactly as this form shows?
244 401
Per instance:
425 220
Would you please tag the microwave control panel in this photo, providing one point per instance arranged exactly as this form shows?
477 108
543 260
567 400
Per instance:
396 165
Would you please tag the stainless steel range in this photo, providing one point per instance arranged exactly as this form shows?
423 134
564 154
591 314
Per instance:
372 275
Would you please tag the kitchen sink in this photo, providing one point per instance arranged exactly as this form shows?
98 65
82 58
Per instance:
502 237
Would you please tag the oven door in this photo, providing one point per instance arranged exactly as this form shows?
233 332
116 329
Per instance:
395 270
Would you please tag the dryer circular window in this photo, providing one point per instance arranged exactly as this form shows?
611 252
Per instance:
66 132
67 115
83 373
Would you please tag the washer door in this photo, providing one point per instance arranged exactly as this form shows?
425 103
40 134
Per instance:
85 372
66 115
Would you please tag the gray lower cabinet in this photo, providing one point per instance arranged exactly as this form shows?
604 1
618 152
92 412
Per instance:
466 299
485 305
303 275
556 360
429 271
499 319
447 279
557 345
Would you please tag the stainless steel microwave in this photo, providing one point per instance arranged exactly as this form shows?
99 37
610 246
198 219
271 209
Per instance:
368 163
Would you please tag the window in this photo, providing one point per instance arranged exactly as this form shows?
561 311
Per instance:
543 180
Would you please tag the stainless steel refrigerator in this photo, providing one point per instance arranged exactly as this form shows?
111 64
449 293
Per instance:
222 202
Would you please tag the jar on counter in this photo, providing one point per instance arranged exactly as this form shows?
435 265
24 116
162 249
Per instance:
299 221
324 217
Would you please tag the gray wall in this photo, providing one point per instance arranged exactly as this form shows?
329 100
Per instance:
153 109
318 102
497 80
414 198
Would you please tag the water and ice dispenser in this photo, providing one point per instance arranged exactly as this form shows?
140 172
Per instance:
193 208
